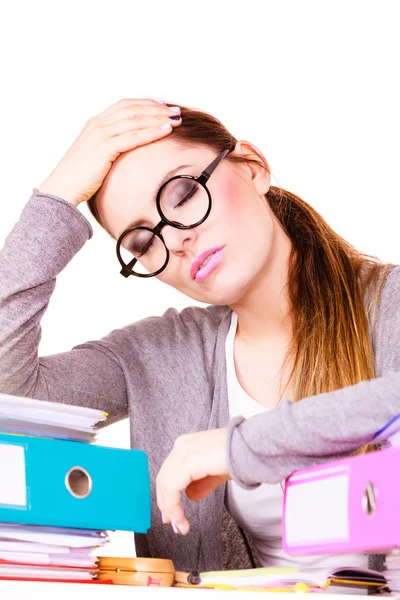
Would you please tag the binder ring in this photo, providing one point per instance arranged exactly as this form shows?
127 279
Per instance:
368 500
78 482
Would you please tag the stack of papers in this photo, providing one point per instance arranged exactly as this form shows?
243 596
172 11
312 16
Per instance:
48 419
35 552
294 578
392 570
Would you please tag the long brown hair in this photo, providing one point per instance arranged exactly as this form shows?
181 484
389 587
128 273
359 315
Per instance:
333 288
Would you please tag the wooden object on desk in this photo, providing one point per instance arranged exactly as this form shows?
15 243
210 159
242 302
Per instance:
158 572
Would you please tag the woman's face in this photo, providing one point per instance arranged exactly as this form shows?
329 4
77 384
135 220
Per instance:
240 220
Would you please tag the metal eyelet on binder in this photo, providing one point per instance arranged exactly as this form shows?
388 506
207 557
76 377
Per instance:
368 500
78 482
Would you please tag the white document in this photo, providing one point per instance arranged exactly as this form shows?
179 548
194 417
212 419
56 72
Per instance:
53 414
45 430
25 557
53 535
88 563
11 546
60 560
22 403
42 572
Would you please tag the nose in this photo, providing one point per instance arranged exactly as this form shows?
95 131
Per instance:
178 240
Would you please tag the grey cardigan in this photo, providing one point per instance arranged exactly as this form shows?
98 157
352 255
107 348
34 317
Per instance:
168 375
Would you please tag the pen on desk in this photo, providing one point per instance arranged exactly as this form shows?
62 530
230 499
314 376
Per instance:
192 578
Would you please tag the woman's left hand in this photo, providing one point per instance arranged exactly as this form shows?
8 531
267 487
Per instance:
198 464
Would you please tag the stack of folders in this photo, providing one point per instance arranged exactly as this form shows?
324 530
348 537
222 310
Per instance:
349 505
59 494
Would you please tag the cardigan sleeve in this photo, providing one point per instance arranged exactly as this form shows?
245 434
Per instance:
270 446
49 232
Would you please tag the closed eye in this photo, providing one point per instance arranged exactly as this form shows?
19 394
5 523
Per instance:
190 195
143 249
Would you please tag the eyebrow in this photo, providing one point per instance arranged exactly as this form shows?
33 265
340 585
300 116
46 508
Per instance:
139 222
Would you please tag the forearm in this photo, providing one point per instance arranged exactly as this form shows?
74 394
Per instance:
270 446
48 234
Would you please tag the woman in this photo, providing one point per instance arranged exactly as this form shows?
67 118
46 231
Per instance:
294 311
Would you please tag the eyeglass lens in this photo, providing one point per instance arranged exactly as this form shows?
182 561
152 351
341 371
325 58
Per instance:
183 201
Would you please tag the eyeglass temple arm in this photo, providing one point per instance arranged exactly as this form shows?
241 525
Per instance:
207 172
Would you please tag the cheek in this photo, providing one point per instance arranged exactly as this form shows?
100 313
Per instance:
229 202
230 193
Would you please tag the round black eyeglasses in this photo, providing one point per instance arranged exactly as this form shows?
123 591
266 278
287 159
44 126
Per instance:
183 202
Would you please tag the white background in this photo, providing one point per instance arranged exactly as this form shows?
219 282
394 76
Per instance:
314 84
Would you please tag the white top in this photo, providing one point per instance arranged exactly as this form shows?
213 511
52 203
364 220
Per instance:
259 511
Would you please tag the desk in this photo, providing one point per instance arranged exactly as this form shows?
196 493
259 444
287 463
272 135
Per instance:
82 591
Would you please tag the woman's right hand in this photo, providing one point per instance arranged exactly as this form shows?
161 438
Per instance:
123 126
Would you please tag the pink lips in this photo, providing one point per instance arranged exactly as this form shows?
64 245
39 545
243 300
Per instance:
200 275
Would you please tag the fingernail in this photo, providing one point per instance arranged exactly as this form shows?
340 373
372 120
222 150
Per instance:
166 126
174 527
175 117
173 524
164 520
174 108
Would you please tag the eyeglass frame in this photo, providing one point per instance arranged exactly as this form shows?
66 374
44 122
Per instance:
202 180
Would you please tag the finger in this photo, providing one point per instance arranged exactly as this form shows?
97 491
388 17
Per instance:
135 110
168 489
179 522
145 122
171 480
171 508
197 490
127 102
139 137
171 500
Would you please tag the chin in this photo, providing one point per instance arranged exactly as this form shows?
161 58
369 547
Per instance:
221 291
